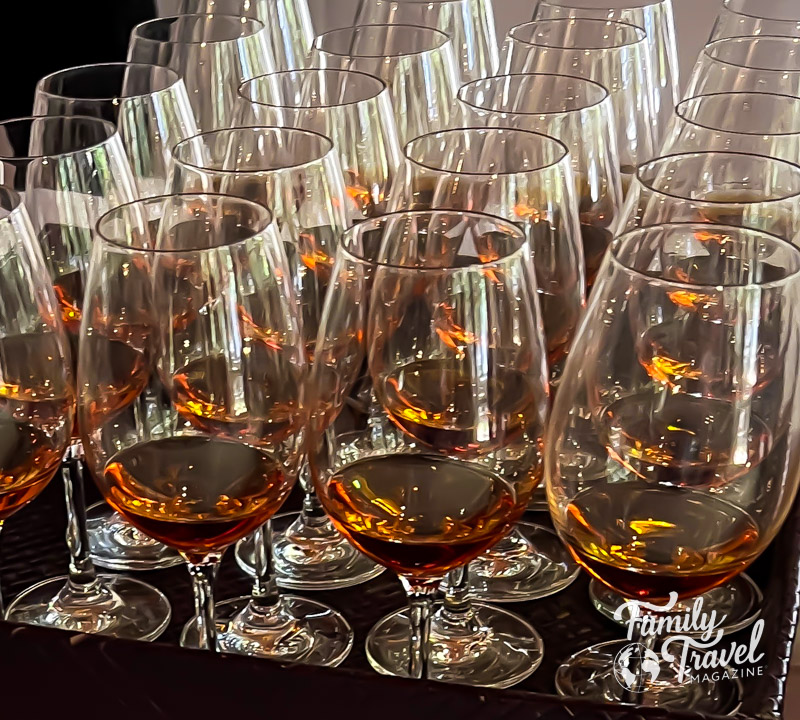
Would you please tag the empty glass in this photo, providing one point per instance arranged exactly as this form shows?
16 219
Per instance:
351 108
417 63
577 112
213 54
469 23
737 18
614 54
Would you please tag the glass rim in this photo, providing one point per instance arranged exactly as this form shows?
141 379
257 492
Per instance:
577 5
174 79
444 39
585 81
265 221
726 7
620 239
374 223
511 131
708 47
109 126
641 33
681 106
722 203
136 33
327 142
380 85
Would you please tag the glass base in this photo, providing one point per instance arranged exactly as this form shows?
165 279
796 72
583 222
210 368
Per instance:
117 545
538 501
528 564
739 602
119 606
502 650
310 557
305 631
593 673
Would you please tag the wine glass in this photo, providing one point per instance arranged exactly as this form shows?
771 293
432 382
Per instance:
297 174
212 53
417 63
657 19
352 108
716 187
69 170
739 18
670 462
577 112
760 123
469 23
766 63
288 22
37 398
191 376
148 104
442 305
614 54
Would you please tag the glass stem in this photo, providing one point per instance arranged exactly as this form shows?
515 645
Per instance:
420 594
265 595
203 575
634 695
82 576
456 607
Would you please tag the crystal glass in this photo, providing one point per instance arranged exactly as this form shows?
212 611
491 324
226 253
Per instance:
37 397
297 174
148 104
670 464
439 303
288 22
716 187
469 23
418 64
577 112
767 63
213 54
192 426
739 18
611 53
69 171
352 108
658 21
759 123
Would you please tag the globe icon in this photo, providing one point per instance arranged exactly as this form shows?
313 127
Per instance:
629 658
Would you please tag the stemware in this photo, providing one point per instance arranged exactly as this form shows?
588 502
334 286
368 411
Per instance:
439 303
658 21
765 63
760 123
148 104
37 398
739 18
297 174
69 170
578 113
417 63
212 53
611 53
716 187
351 108
671 462
288 22
191 376
469 23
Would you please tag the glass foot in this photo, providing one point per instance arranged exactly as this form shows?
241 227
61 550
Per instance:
118 606
598 673
304 631
310 557
117 545
528 564
500 651
739 602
